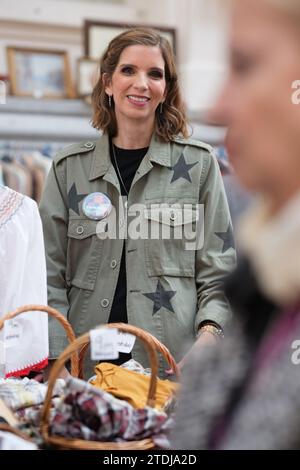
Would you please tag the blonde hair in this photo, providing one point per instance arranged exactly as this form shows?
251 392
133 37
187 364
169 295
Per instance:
168 123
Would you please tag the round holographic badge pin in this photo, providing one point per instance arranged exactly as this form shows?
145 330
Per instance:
96 206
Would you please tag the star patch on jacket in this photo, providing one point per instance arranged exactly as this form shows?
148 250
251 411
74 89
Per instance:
181 169
161 298
227 238
74 198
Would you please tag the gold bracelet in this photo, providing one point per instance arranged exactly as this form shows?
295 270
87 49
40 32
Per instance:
211 329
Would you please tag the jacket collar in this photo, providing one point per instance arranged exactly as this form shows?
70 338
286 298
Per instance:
159 152
101 158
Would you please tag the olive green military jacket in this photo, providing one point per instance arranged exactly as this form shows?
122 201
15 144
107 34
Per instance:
171 290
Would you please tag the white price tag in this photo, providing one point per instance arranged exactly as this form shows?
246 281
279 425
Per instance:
12 333
104 344
125 342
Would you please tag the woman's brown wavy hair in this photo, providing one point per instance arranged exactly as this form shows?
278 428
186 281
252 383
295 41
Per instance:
172 121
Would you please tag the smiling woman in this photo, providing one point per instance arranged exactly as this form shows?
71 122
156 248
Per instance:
136 59
138 85
171 287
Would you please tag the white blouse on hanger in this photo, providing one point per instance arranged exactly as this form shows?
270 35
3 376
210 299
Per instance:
22 281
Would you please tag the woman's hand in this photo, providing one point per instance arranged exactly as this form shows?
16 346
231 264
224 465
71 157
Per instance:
204 339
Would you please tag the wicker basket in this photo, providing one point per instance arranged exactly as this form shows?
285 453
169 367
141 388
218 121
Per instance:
15 431
161 348
151 345
59 317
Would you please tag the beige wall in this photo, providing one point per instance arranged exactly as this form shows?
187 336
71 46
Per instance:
63 12
202 32
58 24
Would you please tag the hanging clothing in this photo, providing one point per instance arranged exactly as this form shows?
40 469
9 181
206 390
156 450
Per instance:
1 176
25 172
22 281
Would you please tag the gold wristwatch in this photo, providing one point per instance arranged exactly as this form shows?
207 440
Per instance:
210 328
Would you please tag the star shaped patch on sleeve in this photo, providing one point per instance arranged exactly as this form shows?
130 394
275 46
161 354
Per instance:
161 298
227 238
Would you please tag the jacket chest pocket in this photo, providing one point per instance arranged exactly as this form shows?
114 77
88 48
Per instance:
83 254
167 247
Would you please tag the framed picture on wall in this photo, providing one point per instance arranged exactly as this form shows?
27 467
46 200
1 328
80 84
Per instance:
87 75
39 73
97 35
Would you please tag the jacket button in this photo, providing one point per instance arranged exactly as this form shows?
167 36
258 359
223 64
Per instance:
80 229
113 264
104 303
89 145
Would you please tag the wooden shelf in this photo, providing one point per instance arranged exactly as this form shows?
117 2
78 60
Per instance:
67 121
49 120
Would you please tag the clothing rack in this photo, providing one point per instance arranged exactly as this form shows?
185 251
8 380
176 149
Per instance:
15 147
24 166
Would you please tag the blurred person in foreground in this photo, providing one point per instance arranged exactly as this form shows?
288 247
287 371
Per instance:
245 392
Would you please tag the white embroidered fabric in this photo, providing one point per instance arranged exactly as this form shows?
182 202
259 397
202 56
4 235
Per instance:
24 340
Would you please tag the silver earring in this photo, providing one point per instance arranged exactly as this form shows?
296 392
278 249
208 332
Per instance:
109 101
161 108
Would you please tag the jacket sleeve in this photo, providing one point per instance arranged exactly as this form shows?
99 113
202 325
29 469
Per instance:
54 214
217 257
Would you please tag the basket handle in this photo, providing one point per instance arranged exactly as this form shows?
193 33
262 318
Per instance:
55 314
166 354
158 345
82 341
7 428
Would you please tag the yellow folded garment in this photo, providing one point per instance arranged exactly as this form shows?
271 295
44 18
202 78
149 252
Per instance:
131 386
